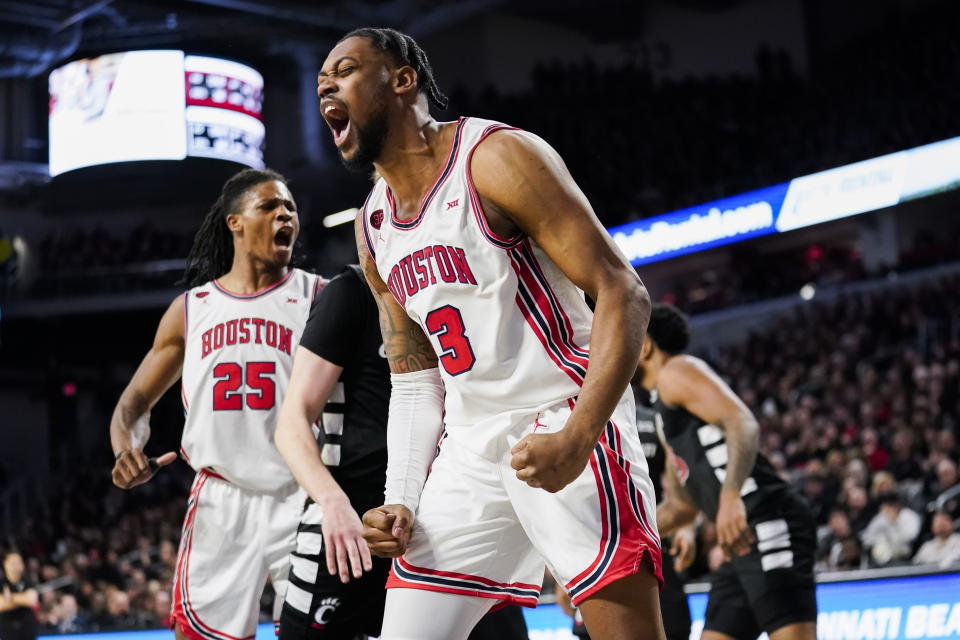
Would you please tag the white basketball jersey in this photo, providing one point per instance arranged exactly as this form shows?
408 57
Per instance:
510 329
239 353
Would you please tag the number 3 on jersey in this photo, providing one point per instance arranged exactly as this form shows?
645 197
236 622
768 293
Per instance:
447 324
262 391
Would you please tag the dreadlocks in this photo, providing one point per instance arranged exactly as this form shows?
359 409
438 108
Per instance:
212 253
404 51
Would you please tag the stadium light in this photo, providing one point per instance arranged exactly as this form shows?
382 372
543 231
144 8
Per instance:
340 217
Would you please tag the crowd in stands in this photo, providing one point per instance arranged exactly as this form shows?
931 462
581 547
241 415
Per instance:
641 146
858 403
104 559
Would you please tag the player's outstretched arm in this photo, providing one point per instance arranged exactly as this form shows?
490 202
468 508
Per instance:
415 420
690 383
525 186
129 426
311 383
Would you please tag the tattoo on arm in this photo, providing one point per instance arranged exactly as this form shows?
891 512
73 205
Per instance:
406 346
742 444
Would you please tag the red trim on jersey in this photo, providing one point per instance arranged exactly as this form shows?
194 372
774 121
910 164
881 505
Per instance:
177 612
481 218
633 492
466 576
532 301
395 581
321 283
186 324
363 225
213 474
549 307
186 299
406 225
605 529
257 294
631 537
531 260
184 614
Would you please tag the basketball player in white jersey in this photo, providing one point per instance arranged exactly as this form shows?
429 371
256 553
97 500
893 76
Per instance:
231 338
478 247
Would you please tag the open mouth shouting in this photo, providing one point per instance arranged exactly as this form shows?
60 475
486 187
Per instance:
335 113
283 238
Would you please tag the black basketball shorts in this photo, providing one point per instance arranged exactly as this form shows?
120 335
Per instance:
318 606
772 586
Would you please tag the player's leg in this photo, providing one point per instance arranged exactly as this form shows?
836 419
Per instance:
626 609
220 570
709 634
729 614
418 614
796 631
506 623
673 603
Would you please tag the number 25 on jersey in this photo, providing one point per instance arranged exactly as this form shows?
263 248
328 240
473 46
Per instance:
260 389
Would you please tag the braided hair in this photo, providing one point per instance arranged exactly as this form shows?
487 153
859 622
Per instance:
404 51
212 253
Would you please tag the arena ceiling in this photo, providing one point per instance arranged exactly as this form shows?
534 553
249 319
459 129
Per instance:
35 35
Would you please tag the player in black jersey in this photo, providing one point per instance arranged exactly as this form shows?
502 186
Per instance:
340 381
764 527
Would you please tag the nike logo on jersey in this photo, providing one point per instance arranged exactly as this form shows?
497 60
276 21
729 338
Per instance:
382 351
423 268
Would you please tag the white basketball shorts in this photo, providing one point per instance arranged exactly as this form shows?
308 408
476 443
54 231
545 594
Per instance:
480 531
232 540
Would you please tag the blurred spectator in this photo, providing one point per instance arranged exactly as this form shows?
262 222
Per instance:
891 533
831 542
946 489
850 556
904 464
17 599
944 548
877 456
70 620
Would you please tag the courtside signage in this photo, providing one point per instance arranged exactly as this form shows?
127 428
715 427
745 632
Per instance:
924 607
819 197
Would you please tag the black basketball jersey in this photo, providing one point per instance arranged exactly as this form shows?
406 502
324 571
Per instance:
652 449
701 452
344 328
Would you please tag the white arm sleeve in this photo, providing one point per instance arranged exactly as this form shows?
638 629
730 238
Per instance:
414 426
